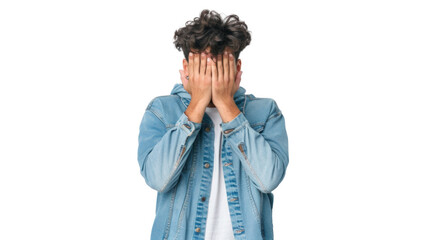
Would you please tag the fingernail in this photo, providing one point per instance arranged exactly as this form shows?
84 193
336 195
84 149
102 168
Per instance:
190 54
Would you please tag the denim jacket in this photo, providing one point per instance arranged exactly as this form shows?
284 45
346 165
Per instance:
175 156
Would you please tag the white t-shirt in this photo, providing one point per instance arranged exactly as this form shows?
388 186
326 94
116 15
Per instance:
219 224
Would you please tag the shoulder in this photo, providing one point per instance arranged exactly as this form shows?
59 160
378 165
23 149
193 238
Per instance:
160 103
262 105
168 108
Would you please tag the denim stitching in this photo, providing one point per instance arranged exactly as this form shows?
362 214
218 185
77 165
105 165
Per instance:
255 210
186 201
251 168
204 186
175 165
244 104
167 229
231 186
235 130
157 115
262 215
274 115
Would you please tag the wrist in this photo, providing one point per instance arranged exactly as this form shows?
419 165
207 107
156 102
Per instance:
197 104
228 110
225 104
195 111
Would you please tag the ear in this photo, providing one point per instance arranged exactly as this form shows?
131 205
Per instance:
184 73
185 67
238 65
238 74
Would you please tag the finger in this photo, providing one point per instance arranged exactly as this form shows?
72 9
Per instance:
196 65
232 72
203 64
214 71
191 65
219 67
209 68
225 66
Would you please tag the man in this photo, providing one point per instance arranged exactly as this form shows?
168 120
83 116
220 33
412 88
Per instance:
213 153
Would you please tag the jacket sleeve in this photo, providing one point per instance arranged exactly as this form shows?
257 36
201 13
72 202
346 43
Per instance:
162 152
264 155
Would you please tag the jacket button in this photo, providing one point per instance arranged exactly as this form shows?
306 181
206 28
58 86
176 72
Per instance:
197 229
207 129
203 199
186 125
229 130
207 165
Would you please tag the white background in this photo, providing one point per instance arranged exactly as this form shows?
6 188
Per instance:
349 76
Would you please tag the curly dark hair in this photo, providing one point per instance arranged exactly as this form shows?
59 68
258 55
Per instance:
210 30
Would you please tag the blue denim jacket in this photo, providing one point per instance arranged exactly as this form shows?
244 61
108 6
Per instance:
175 156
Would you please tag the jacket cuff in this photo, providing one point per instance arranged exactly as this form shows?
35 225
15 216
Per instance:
234 125
188 126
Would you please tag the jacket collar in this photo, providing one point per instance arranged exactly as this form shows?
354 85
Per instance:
179 90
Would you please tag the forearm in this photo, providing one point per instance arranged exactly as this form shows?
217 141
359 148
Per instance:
264 156
163 153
